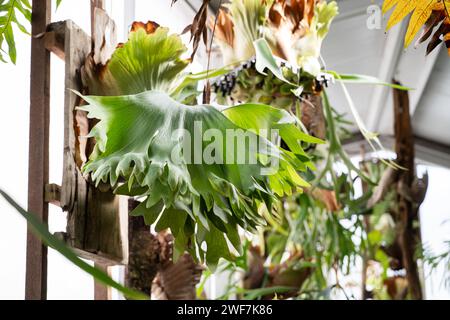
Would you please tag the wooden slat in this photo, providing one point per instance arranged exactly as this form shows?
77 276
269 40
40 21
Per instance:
54 38
36 261
74 190
95 226
102 292
53 194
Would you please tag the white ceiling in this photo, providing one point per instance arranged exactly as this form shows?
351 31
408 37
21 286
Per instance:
352 48
432 117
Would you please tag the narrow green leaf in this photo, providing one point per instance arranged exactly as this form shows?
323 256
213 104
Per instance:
50 240
9 36
363 79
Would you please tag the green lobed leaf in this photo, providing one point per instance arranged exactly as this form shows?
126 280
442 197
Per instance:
138 135
325 13
144 62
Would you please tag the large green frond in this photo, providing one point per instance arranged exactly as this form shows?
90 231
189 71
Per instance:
196 163
145 62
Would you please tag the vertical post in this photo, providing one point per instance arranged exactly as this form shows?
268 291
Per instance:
38 167
407 212
101 292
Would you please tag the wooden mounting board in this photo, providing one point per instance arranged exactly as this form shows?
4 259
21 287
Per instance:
97 219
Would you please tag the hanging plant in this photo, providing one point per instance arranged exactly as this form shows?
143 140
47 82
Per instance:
140 151
296 252
293 31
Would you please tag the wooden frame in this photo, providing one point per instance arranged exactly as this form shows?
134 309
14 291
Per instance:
38 166
94 228
97 219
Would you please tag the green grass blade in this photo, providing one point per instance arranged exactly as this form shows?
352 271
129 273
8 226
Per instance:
50 240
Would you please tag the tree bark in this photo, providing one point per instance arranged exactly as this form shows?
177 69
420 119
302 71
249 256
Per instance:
407 211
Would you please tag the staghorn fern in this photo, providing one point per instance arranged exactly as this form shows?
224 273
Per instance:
141 141
294 30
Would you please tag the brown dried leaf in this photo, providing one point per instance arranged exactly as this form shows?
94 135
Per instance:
105 36
328 198
198 28
289 18
443 30
224 30
433 21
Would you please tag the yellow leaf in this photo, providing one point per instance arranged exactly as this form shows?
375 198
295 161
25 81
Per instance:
388 4
418 19
402 9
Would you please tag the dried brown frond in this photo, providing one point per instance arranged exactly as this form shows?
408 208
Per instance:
224 30
198 27
289 21
149 27
296 14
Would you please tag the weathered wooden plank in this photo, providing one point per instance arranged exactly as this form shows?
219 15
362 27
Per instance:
102 292
53 194
38 166
74 191
104 225
54 38
96 219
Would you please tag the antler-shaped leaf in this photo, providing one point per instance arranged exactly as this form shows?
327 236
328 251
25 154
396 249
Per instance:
149 60
186 162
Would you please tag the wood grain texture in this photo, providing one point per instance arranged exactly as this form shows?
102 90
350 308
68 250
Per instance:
97 221
38 166
102 292
74 191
